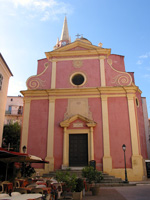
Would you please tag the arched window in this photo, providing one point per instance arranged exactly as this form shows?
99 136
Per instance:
1 80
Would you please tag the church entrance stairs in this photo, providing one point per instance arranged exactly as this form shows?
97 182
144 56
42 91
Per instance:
108 181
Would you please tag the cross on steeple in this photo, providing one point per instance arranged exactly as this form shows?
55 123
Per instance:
78 35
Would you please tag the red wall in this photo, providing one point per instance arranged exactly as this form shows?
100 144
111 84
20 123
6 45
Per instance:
46 76
95 108
38 127
60 109
119 131
117 64
65 69
141 126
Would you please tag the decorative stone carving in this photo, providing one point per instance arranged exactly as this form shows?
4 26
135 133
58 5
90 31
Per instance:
77 63
120 78
78 106
37 81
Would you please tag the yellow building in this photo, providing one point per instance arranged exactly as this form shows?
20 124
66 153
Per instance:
5 74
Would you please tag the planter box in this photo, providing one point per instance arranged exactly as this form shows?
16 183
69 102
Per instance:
77 195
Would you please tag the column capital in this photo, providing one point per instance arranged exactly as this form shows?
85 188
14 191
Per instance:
130 96
51 99
27 100
104 97
102 57
54 60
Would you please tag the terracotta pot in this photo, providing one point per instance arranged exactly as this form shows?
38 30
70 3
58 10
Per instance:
77 195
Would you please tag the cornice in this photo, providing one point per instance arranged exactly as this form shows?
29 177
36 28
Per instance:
92 52
82 92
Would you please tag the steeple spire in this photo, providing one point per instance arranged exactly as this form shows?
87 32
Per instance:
65 39
65 33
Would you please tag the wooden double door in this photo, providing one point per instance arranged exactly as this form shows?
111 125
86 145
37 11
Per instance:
78 150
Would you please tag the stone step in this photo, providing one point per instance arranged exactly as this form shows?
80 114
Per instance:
106 178
114 180
116 184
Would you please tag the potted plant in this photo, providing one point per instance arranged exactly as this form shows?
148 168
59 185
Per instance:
93 177
77 194
68 182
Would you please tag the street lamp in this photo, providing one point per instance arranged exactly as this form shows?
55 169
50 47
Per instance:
124 149
24 148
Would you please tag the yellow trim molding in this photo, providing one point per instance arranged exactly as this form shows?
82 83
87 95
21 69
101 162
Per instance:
53 76
107 160
102 71
65 124
50 138
82 91
25 126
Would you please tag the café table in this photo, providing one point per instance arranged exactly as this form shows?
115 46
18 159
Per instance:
46 190
24 197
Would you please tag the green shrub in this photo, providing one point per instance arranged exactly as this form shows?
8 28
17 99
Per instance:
92 175
68 180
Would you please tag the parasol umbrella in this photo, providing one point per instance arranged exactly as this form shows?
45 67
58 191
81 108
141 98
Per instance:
10 157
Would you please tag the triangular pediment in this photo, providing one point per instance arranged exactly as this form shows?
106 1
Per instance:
76 44
77 48
67 122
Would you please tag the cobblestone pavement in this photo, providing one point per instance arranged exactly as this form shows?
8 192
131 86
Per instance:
139 192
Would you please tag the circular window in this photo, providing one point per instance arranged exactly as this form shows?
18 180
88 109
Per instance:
78 79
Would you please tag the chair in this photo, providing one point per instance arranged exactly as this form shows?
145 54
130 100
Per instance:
37 190
1 188
17 184
5 182
21 190
8 186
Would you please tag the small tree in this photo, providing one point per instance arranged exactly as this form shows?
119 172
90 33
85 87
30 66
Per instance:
92 175
11 136
68 180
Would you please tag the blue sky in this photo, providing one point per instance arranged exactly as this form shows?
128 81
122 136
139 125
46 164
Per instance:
28 28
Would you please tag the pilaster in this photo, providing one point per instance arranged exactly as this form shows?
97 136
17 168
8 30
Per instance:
53 77
137 159
107 160
50 138
102 71
65 157
92 145
133 125
25 127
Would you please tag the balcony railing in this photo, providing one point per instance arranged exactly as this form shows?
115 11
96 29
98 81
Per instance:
15 112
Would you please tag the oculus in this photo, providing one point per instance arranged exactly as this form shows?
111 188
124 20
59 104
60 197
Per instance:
78 79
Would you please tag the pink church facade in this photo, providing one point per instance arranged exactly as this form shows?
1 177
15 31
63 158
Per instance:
82 105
